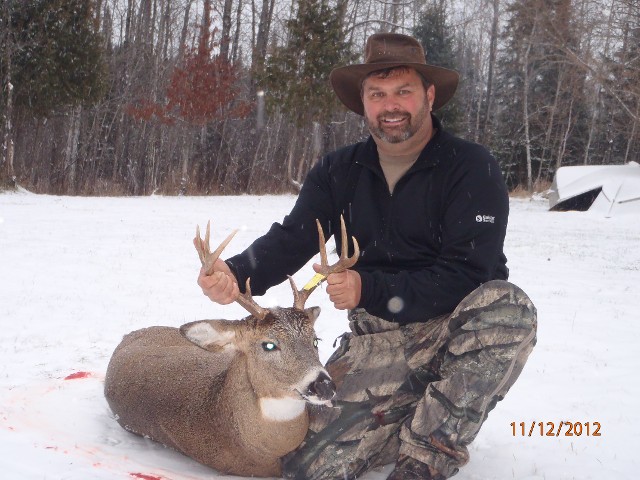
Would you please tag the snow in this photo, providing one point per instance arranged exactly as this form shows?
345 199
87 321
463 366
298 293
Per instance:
78 273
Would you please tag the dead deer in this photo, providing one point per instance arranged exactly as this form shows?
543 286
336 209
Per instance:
230 394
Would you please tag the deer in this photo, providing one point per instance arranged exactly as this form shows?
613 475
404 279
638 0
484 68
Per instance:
231 394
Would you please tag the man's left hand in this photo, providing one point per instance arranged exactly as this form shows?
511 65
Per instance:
344 288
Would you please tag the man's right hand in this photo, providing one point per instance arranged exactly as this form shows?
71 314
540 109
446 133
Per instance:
221 286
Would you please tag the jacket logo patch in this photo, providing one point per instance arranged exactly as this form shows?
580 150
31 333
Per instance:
485 219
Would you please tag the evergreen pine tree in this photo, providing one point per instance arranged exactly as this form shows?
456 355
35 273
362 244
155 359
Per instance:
296 76
60 60
620 140
534 68
437 40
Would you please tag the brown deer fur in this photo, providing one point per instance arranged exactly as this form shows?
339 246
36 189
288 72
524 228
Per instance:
230 394
214 392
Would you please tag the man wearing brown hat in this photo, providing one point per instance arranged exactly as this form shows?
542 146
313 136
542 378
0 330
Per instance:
438 335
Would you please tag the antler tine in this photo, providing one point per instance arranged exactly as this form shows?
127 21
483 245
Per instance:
199 246
208 259
249 304
299 296
323 245
207 237
345 262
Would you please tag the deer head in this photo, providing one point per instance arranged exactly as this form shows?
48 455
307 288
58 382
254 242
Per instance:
279 344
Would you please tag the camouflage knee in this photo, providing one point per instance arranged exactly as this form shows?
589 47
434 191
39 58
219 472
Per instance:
492 333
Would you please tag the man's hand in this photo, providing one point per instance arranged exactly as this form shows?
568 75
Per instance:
344 288
221 286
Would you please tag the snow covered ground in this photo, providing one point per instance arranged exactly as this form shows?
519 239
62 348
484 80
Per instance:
78 273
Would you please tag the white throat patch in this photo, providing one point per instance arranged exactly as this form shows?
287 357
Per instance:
281 409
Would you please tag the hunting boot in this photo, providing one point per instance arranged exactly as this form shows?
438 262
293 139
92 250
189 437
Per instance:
408 468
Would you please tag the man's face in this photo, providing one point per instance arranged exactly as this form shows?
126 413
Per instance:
396 107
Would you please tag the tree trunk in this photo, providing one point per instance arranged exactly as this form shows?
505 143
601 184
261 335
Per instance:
119 148
185 30
165 30
225 37
303 159
563 143
71 150
592 124
98 13
493 47
264 26
550 126
185 152
290 154
128 27
525 111
316 143
236 36
394 14
632 136
7 141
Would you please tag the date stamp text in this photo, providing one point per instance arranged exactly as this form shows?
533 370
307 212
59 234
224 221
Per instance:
556 429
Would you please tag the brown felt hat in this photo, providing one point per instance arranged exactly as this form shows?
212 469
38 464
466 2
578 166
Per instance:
386 50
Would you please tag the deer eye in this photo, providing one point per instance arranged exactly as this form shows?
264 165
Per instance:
269 346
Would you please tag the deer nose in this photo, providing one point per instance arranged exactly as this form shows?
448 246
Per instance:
322 387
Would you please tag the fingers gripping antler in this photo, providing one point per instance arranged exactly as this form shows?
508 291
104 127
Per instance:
345 262
208 260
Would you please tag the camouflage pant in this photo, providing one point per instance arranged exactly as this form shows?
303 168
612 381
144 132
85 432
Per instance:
421 389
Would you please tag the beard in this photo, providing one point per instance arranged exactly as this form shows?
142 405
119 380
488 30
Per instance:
392 134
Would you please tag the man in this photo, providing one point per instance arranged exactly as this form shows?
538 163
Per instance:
437 334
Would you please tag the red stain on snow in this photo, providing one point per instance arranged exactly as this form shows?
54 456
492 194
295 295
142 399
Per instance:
57 449
9 427
76 375
144 476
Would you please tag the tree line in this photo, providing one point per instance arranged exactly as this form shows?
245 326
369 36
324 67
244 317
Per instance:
132 97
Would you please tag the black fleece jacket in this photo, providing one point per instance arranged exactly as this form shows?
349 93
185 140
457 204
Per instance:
423 248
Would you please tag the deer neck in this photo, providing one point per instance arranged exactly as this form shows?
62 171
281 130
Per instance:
281 409
273 426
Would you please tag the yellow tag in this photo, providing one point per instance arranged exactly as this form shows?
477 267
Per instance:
317 278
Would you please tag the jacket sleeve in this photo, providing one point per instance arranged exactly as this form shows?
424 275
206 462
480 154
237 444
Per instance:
289 245
474 220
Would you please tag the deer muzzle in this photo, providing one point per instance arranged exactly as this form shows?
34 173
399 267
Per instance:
322 389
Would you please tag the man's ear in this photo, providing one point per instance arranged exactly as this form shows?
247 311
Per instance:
431 95
212 335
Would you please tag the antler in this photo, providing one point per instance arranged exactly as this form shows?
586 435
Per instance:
208 259
345 262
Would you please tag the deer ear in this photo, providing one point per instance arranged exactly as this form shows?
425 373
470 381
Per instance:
214 335
313 313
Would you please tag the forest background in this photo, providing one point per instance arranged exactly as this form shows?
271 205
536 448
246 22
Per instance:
134 97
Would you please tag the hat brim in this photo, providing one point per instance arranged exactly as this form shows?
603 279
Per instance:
347 82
